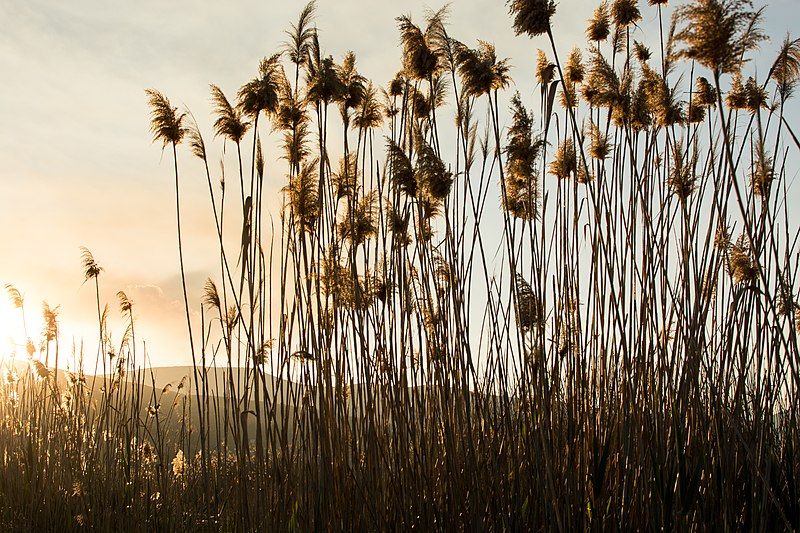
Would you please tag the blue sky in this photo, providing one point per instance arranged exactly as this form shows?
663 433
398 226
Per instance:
77 167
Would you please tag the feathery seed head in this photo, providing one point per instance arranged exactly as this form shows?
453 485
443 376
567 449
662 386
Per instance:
584 175
641 52
737 95
303 195
763 173
401 172
705 95
50 319
15 296
530 314
359 221
531 17
600 146
742 263
38 370
565 163
420 60
211 295
545 70
345 180
397 85
568 98
661 99
90 267
230 123
166 123
433 177
196 142
602 87
696 113
301 35
125 303
480 70
178 464
521 178
756 95
625 12
353 84
717 33
722 237
786 68
574 69
261 93
369 113
682 178
599 27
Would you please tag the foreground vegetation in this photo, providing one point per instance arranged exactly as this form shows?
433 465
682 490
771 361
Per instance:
584 320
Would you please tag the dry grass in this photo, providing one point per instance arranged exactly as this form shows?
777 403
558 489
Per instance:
588 321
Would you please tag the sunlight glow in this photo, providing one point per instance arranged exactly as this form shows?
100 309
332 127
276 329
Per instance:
13 328
10 329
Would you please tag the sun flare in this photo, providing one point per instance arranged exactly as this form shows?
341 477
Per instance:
14 329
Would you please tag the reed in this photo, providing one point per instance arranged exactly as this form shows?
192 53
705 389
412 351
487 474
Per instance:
586 320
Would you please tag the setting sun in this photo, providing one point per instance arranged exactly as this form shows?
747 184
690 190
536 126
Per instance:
13 327
12 336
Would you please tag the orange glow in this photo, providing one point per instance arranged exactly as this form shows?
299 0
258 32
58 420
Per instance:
13 328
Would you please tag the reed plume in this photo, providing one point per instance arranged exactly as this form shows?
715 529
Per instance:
718 33
786 68
522 182
599 26
531 17
480 70
229 123
303 196
166 123
420 59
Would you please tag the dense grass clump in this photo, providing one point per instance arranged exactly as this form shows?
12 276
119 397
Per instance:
584 318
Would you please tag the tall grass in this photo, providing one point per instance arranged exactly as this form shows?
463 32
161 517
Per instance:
583 320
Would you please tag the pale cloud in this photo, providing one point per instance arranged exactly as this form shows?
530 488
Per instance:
150 292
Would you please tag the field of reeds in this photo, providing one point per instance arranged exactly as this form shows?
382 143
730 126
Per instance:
476 310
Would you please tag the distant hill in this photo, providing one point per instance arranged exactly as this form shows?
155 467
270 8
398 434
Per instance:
172 400
217 381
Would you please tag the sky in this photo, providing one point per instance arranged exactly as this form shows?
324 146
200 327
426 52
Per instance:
77 165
